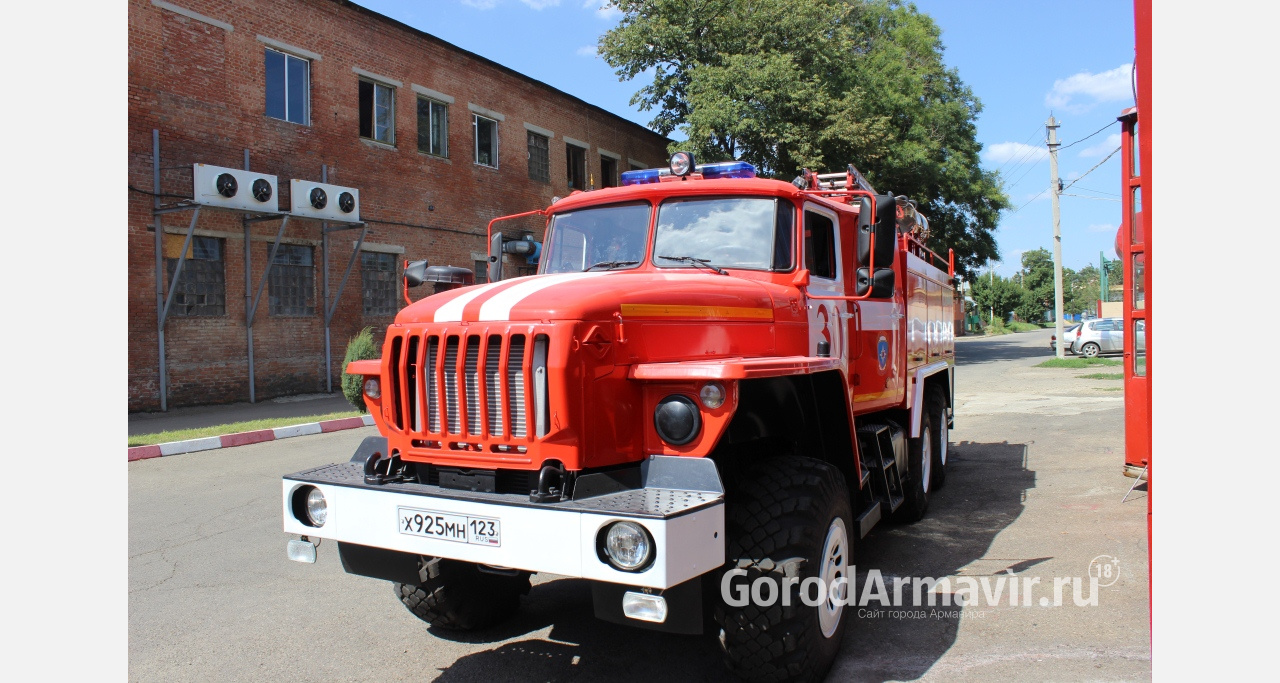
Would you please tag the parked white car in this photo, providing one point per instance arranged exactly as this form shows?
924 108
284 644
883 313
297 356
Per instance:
1103 335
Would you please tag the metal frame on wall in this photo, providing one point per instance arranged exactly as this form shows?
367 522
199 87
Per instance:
252 295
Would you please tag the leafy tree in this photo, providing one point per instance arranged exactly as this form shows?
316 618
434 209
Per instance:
995 292
817 84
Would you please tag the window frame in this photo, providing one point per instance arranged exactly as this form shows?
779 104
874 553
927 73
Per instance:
432 103
392 302
475 137
273 309
306 115
178 287
373 113
582 151
834 242
613 178
546 149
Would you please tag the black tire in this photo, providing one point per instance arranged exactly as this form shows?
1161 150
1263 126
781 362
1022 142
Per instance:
1090 350
780 514
916 481
935 404
457 596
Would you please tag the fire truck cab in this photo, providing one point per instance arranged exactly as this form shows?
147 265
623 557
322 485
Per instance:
712 378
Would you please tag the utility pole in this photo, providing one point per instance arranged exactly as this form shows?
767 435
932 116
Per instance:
1055 185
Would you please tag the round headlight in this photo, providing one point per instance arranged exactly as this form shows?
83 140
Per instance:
628 546
371 388
677 419
317 508
682 163
712 395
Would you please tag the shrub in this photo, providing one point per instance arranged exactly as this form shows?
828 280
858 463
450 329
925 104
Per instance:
359 347
997 326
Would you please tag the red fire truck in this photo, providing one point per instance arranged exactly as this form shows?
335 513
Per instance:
712 378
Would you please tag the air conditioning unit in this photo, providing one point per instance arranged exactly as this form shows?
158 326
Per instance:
232 188
325 202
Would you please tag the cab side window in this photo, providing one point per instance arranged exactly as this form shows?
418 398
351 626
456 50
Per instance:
819 245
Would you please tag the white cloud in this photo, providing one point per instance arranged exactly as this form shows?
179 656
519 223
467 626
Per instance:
603 10
1080 92
1003 152
1101 227
541 4
1102 148
586 51
480 4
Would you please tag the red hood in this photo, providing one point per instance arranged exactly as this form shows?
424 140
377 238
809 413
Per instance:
593 296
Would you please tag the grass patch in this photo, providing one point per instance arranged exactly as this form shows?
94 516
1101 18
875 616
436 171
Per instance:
1102 375
997 327
234 427
1111 388
1077 362
1023 327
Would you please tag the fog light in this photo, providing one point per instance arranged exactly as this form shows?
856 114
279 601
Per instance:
712 395
371 388
644 607
628 546
302 551
317 508
677 419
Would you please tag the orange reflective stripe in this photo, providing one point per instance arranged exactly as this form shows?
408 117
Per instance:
696 312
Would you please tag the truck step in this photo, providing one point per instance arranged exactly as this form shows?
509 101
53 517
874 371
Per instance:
869 518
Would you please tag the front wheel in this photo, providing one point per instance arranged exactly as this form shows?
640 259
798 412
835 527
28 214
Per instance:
787 520
459 596
1089 350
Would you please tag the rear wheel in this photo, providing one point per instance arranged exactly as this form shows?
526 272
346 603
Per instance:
1089 350
919 475
936 407
787 520
458 596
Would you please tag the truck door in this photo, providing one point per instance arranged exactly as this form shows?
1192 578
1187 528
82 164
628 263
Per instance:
828 318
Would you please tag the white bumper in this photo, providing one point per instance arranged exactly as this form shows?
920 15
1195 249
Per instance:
559 538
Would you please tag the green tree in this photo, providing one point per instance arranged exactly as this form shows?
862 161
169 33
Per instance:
995 292
788 85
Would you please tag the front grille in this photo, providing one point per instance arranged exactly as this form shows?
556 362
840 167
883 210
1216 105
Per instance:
476 388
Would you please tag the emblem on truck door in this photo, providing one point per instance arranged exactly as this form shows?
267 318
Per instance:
882 351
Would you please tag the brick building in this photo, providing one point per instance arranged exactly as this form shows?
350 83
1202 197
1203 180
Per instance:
438 140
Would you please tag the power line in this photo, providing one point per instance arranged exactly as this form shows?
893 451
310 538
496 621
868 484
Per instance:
1095 167
1113 194
1085 196
1024 154
1030 200
1089 135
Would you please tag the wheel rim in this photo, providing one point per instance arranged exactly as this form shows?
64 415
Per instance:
944 437
926 454
1090 350
835 565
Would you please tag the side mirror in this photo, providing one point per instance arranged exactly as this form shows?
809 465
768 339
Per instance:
880 284
495 257
415 273
885 229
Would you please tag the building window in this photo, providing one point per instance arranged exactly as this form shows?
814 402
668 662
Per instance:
291 285
482 271
637 167
576 158
608 172
486 141
539 157
288 87
377 112
378 280
433 127
202 289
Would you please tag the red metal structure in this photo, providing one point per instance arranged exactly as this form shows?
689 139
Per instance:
711 373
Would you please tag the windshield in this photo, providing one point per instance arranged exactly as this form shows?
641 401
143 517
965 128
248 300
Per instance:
726 232
606 237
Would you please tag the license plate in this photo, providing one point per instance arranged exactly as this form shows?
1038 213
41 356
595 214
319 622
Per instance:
448 526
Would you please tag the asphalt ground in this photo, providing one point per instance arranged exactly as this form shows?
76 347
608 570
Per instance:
1033 491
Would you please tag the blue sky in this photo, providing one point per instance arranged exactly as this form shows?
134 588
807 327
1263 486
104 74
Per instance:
1022 59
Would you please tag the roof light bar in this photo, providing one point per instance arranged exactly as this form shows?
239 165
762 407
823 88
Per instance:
724 169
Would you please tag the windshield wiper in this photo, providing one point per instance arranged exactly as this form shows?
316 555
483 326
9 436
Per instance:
609 265
701 262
